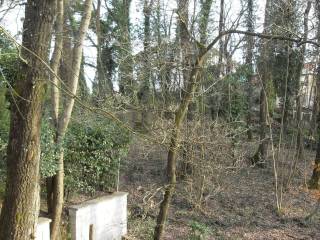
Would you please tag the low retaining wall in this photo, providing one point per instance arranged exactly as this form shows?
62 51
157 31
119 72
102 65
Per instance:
103 218
43 229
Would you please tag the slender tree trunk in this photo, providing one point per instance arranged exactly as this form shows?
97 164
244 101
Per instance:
249 63
64 119
298 98
144 93
19 215
314 181
261 153
186 58
183 9
100 70
315 107
204 20
63 69
221 42
203 30
55 61
126 81
174 146
300 148
104 80
55 96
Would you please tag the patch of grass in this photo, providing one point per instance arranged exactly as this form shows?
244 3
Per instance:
199 231
141 228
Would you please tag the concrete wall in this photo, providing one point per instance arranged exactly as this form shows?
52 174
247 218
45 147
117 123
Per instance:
106 215
43 229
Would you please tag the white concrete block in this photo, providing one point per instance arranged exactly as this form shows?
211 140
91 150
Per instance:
107 215
43 229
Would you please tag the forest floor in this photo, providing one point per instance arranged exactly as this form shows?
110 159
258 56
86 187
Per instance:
237 203
241 206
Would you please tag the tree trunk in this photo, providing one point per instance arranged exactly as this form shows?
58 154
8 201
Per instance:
144 93
204 20
249 63
260 156
19 215
261 153
221 42
126 84
314 181
104 85
183 19
55 61
174 146
298 98
55 96
186 58
64 119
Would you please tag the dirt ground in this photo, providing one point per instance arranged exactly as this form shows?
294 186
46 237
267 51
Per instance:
242 204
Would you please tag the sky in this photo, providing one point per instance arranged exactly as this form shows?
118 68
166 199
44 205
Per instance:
12 21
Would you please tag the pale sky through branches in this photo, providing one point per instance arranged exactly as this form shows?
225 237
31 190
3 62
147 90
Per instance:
12 21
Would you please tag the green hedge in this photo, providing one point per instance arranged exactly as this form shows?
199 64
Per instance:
93 151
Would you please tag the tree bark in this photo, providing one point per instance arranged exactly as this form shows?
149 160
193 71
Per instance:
126 84
104 80
55 96
298 97
19 215
249 63
64 70
260 156
64 119
204 20
221 41
314 181
55 61
174 146
144 93
186 59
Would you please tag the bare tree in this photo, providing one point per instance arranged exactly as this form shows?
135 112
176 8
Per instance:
249 63
63 117
264 72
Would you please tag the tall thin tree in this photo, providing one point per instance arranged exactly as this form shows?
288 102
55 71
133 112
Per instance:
299 94
249 63
265 76
64 118
315 178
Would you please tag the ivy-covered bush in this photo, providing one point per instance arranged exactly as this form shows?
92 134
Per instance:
2 160
93 153
4 119
8 69
49 156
